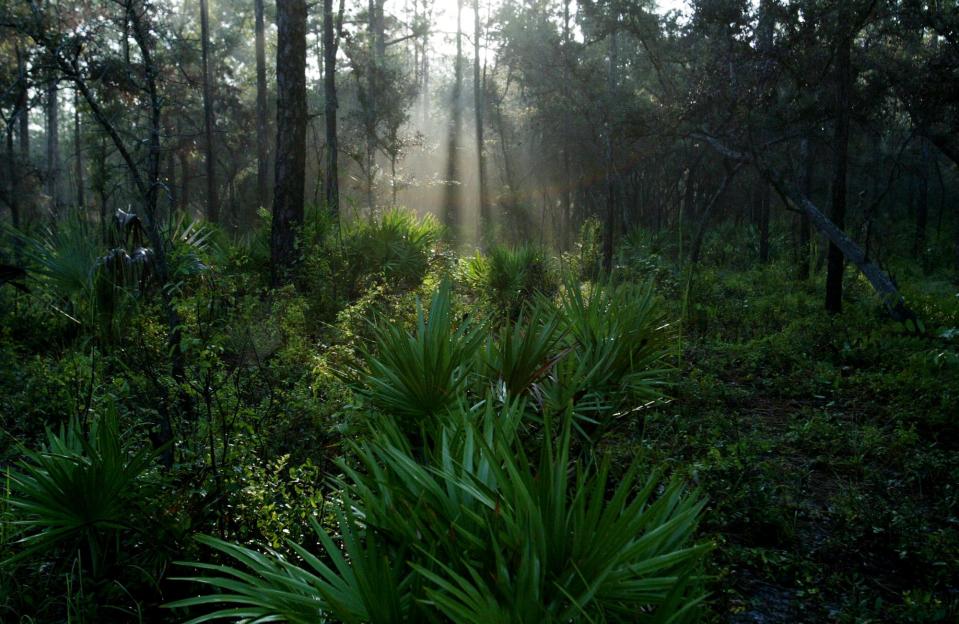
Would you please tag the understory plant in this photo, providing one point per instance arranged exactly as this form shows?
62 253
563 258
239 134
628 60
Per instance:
418 376
509 276
76 511
481 530
617 344
396 246
600 353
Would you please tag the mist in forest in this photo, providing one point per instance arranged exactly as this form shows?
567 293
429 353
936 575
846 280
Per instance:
479 311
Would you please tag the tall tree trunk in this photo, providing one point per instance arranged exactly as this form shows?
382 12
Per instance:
763 215
452 197
330 45
24 108
416 43
610 228
12 190
291 119
804 229
922 203
77 149
371 96
696 247
485 222
171 186
262 149
566 239
836 262
53 146
212 200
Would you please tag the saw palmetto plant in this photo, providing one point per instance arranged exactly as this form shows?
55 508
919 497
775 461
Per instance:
481 531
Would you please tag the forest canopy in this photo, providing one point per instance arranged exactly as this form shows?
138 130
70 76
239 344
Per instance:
479 311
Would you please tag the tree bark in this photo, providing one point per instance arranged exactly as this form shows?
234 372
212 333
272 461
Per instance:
485 223
371 97
53 146
764 201
330 45
212 200
610 226
804 233
697 245
922 203
291 120
24 107
452 197
836 262
77 149
262 149
12 190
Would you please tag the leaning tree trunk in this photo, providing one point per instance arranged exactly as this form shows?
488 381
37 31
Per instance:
291 120
879 279
212 200
262 167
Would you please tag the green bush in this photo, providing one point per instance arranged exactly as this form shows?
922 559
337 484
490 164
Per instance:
523 352
416 377
509 276
618 342
480 532
85 527
397 247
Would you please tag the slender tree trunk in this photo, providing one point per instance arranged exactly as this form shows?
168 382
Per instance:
77 149
836 262
212 200
371 96
452 201
185 174
804 228
53 146
567 235
291 120
171 185
610 228
922 203
13 190
330 45
485 222
764 200
24 108
416 43
696 246
262 149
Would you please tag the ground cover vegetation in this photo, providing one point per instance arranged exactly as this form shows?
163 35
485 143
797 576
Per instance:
488 312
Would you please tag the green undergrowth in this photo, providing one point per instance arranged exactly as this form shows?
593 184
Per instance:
473 421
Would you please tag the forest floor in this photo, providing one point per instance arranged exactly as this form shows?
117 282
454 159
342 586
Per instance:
828 450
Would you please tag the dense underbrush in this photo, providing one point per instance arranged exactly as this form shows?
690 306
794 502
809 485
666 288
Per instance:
402 435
